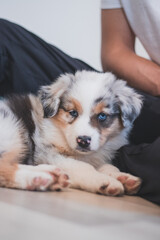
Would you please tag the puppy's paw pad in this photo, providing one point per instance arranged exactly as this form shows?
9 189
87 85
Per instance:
116 190
41 181
122 178
112 188
64 180
60 179
37 181
130 183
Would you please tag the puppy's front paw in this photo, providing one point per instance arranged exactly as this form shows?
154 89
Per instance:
40 181
100 183
112 188
59 178
131 183
42 177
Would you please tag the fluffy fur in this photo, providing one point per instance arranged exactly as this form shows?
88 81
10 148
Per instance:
69 134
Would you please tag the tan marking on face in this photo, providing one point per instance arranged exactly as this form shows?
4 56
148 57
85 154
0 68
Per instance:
63 117
72 104
62 120
113 130
77 106
99 107
8 169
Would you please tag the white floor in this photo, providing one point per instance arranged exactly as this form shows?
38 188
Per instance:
76 215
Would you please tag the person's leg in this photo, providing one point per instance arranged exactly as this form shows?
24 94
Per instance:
143 161
27 62
147 126
142 156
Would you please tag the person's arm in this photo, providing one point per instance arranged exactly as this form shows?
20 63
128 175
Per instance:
118 54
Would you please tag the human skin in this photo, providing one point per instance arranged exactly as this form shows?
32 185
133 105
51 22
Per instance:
118 54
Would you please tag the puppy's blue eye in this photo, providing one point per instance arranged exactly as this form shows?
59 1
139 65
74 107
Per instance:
73 113
102 117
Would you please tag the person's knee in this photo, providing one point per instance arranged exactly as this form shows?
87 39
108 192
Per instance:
4 23
7 29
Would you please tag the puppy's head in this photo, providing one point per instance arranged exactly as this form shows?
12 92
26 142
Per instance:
91 109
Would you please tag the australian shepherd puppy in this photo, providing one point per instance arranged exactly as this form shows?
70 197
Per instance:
68 135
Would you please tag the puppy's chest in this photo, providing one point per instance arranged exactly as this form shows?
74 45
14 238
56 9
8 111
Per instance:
49 153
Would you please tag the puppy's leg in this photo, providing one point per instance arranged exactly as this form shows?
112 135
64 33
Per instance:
13 148
7 170
84 176
43 177
38 175
131 183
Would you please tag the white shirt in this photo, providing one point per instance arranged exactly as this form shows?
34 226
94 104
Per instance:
144 19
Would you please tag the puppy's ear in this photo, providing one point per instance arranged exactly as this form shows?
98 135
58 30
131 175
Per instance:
129 102
50 95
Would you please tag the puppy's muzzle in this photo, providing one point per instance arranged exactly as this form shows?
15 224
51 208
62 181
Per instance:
84 142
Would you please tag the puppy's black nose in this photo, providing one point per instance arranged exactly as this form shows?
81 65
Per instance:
84 141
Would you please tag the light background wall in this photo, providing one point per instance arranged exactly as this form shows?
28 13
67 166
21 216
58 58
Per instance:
71 25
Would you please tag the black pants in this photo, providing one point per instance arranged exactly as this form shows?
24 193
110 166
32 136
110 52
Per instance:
27 62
